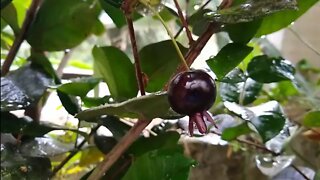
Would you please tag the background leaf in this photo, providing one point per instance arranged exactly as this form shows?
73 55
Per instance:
243 32
284 18
160 164
265 69
232 133
79 87
228 58
62 24
312 119
159 62
117 71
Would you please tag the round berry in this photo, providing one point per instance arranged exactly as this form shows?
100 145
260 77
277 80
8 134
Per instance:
191 92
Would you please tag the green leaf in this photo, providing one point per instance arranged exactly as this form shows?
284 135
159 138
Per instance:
9 15
62 24
234 76
116 14
70 103
95 101
144 145
79 87
160 164
268 118
283 19
198 23
159 61
250 11
228 58
232 133
243 32
4 3
144 107
117 71
266 70
23 87
312 119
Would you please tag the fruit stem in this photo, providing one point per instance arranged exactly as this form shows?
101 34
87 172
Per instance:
183 61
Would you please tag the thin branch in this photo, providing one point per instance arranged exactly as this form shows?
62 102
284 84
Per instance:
63 62
118 150
74 152
139 74
30 15
295 33
300 172
184 22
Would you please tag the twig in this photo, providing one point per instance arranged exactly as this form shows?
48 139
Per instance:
300 172
139 74
74 152
258 146
117 151
31 13
63 62
184 22
295 33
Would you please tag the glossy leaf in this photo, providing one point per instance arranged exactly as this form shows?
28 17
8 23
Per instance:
284 18
143 107
117 71
234 76
162 164
70 103
23 87
62 24
144 145
79 87
232 133
266 70
250 11
198 23
228 58
312 119
233 92
159 61
268 118
243 32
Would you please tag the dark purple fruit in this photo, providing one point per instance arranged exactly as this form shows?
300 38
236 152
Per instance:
192 91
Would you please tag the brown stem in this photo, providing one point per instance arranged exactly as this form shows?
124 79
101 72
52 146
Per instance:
117 151
31 13
139 74
184 22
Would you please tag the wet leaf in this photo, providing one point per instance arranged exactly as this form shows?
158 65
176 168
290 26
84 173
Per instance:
243 32
159 61
232 133
198 23
144 145
312 119
249 11
268 118
23 87
79 87
236 92
162 164
228 58
117 71
61 24
143 107
266 70
284 18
